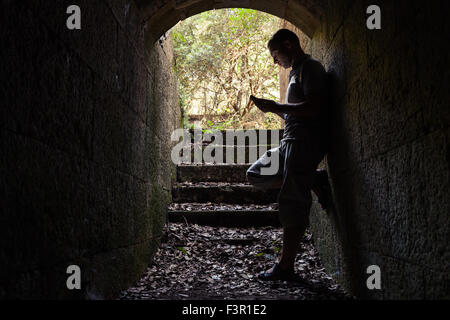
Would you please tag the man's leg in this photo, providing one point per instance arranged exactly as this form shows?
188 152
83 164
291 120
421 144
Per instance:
294 202
291 241
261 181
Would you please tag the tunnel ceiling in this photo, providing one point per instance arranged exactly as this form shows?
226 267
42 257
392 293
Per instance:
162 15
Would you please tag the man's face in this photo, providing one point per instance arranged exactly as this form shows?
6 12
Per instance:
281 57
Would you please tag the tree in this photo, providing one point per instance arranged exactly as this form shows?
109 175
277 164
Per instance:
221 58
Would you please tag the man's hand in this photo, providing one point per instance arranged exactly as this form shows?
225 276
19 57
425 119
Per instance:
304 109
263 104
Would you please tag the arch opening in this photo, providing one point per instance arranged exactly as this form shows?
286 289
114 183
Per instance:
163 15
221 59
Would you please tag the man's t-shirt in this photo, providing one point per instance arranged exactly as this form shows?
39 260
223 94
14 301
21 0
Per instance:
307 79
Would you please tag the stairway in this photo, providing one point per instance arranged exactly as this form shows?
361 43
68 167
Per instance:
219 194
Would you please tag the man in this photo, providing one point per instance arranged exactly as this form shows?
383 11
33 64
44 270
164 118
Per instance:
302 148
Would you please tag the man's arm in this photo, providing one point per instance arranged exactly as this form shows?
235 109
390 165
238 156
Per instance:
314 86
310 108
280 114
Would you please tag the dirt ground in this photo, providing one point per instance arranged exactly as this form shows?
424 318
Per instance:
212 263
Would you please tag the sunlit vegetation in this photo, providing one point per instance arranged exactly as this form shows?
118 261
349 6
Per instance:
221 58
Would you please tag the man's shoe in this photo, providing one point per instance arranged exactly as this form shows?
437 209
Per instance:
277 274
322 189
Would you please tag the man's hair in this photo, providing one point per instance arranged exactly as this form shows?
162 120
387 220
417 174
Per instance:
282 35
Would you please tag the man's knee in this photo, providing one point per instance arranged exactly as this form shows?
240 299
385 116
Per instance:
256 180
295 221
251 177
260 181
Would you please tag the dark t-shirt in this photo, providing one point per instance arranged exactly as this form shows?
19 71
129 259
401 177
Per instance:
307 79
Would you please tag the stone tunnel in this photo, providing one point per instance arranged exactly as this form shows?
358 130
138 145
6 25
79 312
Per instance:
85 142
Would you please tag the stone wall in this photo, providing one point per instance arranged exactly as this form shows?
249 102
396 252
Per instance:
389 162
86 117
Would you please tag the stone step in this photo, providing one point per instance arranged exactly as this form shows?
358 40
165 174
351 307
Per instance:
212 173
229 136
223 215
221 192
231 219
230 154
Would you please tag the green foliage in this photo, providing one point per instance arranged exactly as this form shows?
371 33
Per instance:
221 59
182 249
211 126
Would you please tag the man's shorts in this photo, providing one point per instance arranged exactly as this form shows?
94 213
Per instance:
298 161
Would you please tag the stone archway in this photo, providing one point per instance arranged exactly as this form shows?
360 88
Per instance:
164 14
378 124
84 129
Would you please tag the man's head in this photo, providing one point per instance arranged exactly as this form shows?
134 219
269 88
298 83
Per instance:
284 48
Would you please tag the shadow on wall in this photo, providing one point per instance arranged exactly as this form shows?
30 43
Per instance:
331 228
344 261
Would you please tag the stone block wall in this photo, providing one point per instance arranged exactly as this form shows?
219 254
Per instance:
86 117
389 162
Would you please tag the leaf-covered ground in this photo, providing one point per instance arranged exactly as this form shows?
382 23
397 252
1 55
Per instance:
200 262
205 206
